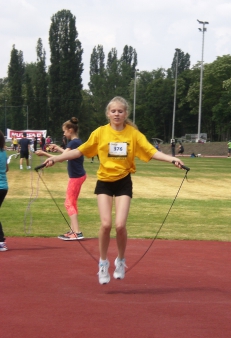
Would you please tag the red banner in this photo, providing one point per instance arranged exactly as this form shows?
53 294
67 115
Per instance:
29 133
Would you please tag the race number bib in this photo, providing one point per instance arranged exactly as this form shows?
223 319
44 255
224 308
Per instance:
117 149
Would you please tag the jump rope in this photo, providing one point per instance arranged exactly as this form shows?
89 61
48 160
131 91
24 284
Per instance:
33 197
157 233
27 228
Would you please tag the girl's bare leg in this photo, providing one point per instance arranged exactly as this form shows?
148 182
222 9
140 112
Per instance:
122 204
74 223
105 211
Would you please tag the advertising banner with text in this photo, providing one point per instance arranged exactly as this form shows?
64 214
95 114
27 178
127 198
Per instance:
29 133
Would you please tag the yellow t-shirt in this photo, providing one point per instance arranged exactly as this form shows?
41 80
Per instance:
117 151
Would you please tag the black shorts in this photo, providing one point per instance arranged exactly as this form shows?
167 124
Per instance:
24 154
117 188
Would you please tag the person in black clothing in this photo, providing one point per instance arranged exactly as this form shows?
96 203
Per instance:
42 143
64 142
180 149
24 145
35 143
173 145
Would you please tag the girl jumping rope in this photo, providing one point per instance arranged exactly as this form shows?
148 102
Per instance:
117 144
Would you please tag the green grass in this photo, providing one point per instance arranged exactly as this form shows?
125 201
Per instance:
192 217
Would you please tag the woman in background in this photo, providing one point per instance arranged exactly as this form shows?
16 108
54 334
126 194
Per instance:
77 176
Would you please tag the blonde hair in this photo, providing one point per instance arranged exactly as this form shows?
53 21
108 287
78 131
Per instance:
72 123
126 108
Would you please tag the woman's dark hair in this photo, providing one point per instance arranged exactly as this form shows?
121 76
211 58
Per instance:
2 141
72 123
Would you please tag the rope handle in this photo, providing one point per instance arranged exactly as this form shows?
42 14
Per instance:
182 166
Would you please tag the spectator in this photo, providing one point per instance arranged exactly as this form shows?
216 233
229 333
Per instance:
173 145
64 142
180 149
48 143
35 143
15 143
42 142
48 140
24 145
229 148
157 146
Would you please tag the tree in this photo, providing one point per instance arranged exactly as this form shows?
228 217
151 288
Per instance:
112 74
159 109
227 86
87 118
183 62
30 102
97 63
215 118
98 84
16 67
186 117
41 88
4 98
217 110
127 66
35 90
111 80
154 102
65 70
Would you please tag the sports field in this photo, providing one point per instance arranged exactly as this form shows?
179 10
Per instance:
179 288
201 210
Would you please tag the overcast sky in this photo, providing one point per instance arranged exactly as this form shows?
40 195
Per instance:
153 27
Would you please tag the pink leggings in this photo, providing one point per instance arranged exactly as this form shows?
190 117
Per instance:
72 194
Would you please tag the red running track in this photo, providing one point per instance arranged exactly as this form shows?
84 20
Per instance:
49 288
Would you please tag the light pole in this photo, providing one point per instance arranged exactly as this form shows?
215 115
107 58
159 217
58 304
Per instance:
203 30
5 118
174 103
134 104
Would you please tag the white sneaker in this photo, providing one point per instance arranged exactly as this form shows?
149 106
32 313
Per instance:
3 246
120 265
21 167
28 167
103 274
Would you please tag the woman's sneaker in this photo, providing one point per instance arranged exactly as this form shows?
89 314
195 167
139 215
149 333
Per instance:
3 246
80 235
103 274
120 265
71 236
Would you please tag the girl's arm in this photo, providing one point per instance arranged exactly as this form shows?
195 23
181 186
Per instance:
58 148
167 158
66 155
42 153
